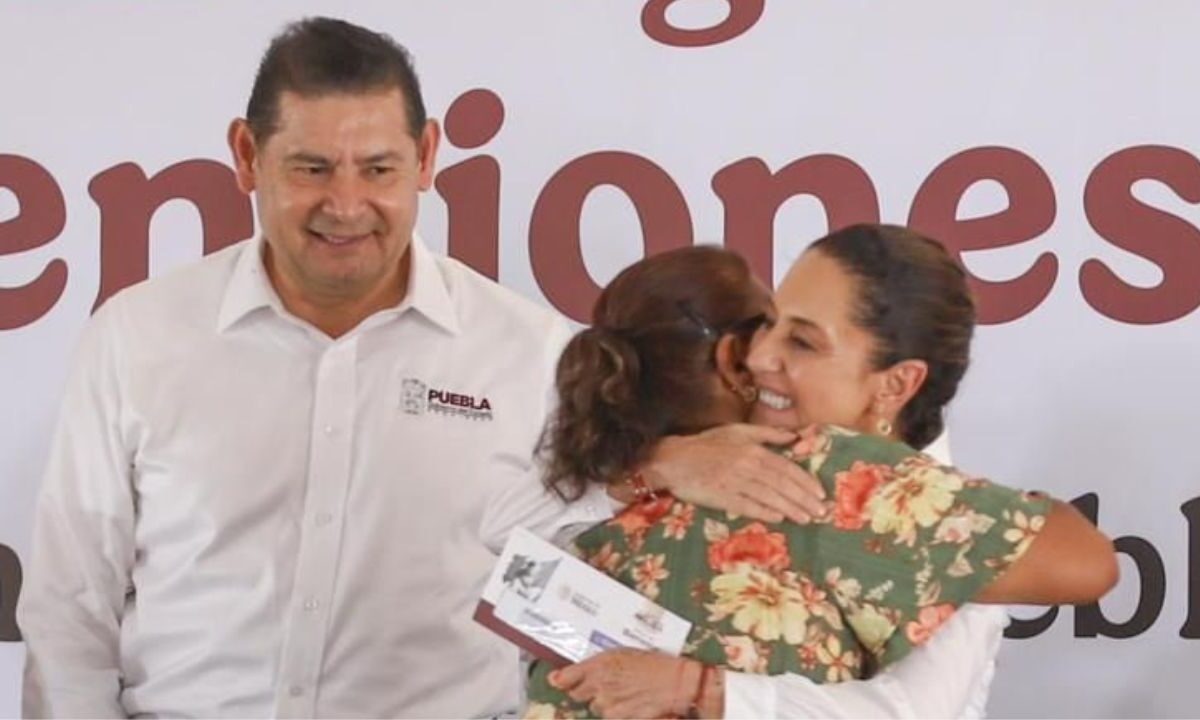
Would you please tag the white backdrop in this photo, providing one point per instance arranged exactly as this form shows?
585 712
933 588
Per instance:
1066 397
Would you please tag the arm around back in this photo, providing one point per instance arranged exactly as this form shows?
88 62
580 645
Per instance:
1069 562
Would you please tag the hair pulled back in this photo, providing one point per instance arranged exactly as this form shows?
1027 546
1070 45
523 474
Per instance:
913 299
644 369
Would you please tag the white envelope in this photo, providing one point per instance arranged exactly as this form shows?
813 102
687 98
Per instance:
563 610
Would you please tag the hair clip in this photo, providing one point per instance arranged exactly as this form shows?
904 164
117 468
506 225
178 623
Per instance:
709 331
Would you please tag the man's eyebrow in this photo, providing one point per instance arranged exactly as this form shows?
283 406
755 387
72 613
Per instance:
386 156
306 158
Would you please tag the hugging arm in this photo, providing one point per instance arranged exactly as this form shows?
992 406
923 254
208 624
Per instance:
1069 562
948 677
729 468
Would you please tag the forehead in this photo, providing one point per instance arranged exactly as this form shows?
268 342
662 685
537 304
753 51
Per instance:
377 115
816 288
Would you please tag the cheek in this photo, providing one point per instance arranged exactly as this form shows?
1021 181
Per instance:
820 387
807 380
398 210
292 204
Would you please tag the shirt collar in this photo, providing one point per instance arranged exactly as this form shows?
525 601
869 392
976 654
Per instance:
250 289
428 290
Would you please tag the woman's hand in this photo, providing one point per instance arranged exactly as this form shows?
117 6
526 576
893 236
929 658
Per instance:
627 683
728 468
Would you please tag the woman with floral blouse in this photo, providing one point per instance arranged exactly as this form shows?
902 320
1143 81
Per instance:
870 337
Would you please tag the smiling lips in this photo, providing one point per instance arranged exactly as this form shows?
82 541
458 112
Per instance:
339 240
774 400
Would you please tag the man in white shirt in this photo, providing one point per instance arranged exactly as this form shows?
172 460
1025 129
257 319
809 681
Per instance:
281 474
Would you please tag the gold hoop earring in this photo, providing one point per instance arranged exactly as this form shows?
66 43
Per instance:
883 426
749 393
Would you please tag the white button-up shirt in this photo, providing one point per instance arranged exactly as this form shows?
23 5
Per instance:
947 677
244 517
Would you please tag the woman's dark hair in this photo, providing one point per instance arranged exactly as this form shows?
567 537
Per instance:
319 56
914 300
644 369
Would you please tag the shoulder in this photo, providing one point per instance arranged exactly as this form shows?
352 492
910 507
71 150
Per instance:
827 450
484 305
190 293
154 317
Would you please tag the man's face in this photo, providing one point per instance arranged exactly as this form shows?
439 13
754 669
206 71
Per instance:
336 187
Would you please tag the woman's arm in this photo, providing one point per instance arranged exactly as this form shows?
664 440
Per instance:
730 468
949 677
1069 562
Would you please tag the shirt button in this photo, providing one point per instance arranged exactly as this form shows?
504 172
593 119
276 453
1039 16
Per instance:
295 691
323 519
311 604
330 430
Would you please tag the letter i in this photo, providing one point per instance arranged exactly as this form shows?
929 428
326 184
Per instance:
471 188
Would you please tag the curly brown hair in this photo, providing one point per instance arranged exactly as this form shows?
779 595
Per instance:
645 368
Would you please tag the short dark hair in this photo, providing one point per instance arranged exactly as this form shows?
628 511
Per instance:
914 301
320 55
643 370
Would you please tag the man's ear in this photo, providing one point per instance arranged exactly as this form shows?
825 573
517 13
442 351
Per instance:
245 154
896 385
431 134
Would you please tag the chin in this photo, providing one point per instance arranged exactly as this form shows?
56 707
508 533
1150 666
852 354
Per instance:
785 419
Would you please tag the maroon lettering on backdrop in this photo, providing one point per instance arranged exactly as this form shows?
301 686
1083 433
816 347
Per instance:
750 193
752 196
128 200
1191 626
554 238
1168 241
41 216
10 588
1030 212
471 188
743 14
1090 620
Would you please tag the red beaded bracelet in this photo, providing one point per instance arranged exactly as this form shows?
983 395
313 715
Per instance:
642 491
693 711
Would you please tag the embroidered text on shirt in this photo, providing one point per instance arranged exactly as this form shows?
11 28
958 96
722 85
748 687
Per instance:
417 398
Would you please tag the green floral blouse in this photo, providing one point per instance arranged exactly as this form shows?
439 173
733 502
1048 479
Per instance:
908 541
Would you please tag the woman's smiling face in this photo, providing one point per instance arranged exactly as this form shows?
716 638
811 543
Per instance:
811 361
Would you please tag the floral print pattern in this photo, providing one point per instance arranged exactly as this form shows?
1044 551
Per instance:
752 545
908 541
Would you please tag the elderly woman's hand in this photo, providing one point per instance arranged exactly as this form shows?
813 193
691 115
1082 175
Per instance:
627 683
728 468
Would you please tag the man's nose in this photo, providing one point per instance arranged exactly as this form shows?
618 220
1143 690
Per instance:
345 196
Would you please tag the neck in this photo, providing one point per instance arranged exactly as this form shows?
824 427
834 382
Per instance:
337 311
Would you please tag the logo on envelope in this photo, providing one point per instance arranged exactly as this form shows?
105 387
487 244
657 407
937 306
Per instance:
651 616
528 577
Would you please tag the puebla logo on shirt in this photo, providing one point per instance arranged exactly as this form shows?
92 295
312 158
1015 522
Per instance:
418 398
